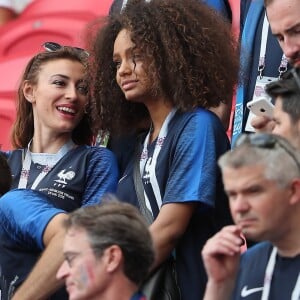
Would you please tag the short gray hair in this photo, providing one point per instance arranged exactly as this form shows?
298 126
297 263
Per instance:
279 161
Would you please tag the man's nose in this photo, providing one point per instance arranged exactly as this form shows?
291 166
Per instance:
291 48
240 204
63 271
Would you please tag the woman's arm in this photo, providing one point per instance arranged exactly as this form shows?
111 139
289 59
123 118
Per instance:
168 227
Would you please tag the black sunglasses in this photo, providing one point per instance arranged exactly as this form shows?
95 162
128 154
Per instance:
266 141
293 73
52 47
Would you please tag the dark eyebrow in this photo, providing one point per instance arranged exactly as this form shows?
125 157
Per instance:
128 50
293 27
287 30
60 75
70 253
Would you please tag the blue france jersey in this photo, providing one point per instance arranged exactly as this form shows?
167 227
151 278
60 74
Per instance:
24 215
187 171
250 279
79 178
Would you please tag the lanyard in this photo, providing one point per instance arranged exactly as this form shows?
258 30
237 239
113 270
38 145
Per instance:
46 169
262 54
147 165
268 278
247 42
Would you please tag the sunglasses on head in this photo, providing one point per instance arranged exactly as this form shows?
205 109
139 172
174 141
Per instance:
266 141
293 73
52 47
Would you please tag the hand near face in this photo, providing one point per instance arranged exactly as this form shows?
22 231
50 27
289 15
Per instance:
221 254
263 124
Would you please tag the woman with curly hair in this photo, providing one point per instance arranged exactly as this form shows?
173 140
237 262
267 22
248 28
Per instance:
161 65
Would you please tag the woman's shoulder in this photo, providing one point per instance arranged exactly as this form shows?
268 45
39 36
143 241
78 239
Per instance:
199 117
7 152
198 126
12 153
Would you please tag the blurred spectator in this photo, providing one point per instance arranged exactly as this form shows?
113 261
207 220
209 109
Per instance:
262 60
286 114
262 179
10 9
7 12
107 249
284 22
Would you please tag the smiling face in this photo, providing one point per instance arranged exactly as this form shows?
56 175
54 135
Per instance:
284 19
59 96
255 202
131 74
84 274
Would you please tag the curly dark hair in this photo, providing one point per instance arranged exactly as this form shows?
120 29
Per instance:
190 53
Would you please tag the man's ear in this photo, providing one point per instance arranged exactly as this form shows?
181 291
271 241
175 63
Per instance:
113 257
28 91
295 186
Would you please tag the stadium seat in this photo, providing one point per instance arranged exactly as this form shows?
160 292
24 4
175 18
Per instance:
50 20
29 34
7 117
67 7
11 72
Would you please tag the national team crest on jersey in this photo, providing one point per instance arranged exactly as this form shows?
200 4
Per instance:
64 176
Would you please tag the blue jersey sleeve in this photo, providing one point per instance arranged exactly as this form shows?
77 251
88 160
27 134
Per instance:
194 171
101 176
24 216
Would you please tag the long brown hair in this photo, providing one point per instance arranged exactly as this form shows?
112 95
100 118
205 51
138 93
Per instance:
23 128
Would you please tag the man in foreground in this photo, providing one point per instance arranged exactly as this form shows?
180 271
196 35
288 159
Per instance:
108 252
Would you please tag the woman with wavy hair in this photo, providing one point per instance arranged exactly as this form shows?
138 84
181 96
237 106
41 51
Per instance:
55 169
162 65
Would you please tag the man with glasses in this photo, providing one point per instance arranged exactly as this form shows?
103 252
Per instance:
108 252
262 179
